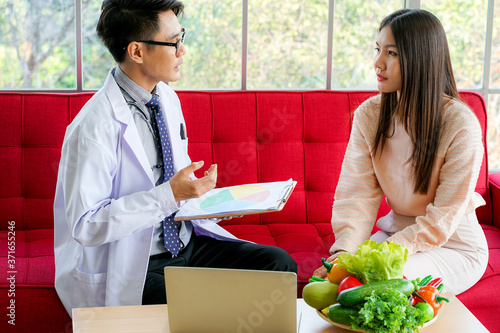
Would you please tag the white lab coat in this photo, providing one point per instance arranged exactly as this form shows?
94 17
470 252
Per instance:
106 202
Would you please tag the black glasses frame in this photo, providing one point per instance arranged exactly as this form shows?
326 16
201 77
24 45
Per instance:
176 44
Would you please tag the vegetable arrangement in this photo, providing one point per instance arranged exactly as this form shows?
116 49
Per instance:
367 291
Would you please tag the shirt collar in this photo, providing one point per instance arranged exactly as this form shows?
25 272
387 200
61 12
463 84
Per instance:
140 95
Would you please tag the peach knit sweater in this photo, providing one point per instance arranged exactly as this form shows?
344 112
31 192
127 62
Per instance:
365 178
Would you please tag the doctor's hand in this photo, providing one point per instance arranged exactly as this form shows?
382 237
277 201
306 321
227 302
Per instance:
185 188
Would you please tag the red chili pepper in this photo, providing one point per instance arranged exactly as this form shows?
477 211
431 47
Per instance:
436 282
430 295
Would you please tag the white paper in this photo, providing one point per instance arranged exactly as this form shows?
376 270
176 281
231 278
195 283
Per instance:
237 199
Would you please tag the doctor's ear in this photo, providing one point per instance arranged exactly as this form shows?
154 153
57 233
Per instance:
135 52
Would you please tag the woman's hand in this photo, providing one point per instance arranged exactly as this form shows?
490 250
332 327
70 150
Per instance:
321 271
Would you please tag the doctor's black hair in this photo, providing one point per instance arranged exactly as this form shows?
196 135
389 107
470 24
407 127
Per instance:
123 21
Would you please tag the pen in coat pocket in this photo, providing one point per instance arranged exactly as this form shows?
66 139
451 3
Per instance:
183 132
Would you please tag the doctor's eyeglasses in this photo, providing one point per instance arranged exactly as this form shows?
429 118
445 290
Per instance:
176 44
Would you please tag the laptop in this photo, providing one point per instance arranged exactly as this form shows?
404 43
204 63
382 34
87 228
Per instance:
228 300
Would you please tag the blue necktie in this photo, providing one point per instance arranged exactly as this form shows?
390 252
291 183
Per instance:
170 232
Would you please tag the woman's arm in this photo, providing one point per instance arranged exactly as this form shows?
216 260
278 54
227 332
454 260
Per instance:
358 194
463 155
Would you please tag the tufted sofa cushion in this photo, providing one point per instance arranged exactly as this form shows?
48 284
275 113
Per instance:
253 136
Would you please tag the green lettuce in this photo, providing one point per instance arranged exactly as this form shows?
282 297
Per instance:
375 261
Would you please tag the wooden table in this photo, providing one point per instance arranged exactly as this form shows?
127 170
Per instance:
453 317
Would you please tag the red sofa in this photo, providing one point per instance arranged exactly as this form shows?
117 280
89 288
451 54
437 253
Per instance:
253 136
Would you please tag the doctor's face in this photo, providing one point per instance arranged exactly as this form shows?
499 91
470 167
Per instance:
163 62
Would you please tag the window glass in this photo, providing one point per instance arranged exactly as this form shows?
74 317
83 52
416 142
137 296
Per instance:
213 42
97 61
37 44
495 49
355 32
494 99
287 44
465 24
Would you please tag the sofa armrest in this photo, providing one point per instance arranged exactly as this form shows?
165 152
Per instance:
494 179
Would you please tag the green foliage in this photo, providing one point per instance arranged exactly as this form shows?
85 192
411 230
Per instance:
466 36
388 312
39 46
213 42
287 45
355 32
96 59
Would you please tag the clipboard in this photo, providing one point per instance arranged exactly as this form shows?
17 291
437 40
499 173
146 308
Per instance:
239 200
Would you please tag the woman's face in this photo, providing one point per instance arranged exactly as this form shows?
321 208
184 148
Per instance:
386 62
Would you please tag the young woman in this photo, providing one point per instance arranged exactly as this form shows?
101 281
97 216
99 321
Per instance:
418 144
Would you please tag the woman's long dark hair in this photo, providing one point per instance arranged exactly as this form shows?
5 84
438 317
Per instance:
426 78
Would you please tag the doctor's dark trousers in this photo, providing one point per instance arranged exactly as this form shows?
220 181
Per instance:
203 251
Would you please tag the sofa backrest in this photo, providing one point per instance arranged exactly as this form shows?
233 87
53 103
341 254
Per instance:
253 136
32 133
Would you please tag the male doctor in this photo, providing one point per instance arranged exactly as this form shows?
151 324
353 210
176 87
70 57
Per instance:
115 196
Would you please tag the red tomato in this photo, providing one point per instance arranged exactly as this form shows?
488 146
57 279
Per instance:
349 282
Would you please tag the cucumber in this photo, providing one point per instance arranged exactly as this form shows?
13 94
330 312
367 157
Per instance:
341 314
356 295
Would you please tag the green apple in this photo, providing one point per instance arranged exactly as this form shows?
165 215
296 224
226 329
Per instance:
320 294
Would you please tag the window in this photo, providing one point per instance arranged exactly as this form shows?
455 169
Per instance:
37 44
96 60
251 44
355 30
213 40
287 44
466 37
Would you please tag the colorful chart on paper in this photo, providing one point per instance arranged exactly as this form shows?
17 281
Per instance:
236 198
